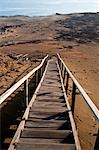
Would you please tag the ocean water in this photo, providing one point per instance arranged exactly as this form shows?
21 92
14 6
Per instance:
42 7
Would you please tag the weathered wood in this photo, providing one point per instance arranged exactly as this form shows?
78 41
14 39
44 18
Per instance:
38 103
49 115
37 133
50 94
39 140
47 125
73 97
50 89
50 107
59 124
50 99
38 146
51 85
52 110
26 92
67 82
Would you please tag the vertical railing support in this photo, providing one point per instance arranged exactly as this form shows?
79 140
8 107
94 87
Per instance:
26 92
39 75
73 98
67 83
62 70
36 78
64 75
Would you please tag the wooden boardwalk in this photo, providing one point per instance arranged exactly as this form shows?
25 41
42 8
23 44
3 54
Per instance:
48 126
48 122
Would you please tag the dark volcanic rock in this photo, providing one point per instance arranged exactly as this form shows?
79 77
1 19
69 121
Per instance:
81 28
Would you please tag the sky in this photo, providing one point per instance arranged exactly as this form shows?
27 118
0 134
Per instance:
41 7
84 5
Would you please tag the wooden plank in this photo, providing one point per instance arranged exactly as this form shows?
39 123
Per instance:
38 146
39 140
48 99
56 124
39 103
51 98
54 77
50 89
51 85
52 110
49 108
46 121
53 81
47 116
38 133
49 93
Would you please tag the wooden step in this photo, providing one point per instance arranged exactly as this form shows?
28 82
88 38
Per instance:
40 140
45 104
47 116
52 110
39 146
50 89
51 85
49 99
55 124
51 107
38 133
50 93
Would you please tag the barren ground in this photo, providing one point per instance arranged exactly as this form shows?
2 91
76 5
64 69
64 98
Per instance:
70 35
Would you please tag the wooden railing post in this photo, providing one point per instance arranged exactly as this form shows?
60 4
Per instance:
73 97
39 74
36 78
67 83
61 68
64 75
86 98
26 92
60 64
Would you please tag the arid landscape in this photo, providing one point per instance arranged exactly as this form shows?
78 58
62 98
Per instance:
24 41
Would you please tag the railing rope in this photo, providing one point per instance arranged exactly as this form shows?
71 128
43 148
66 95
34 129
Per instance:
76 85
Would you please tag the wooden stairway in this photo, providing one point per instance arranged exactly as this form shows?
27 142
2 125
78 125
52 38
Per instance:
48 126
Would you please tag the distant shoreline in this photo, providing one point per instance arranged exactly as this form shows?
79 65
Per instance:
57 13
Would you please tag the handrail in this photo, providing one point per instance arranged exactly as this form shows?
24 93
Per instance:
20 82
87 99
25 116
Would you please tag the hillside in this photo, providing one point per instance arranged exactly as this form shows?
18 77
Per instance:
74 36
